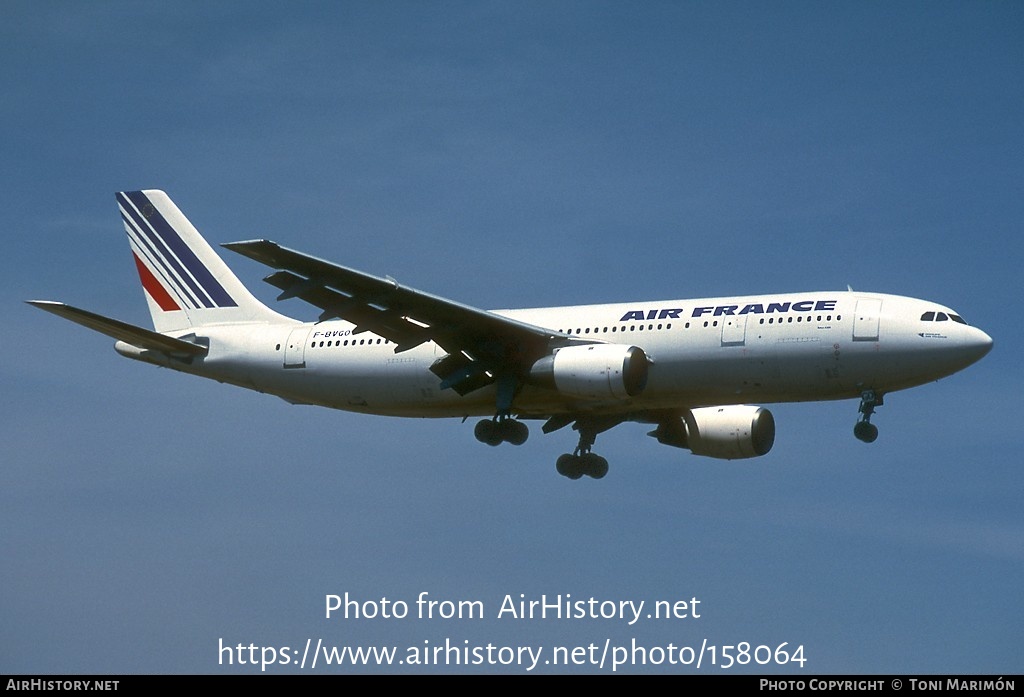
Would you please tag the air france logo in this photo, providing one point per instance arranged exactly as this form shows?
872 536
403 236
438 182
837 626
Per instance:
733 310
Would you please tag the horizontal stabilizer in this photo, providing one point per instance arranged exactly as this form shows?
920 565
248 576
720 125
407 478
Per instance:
129 333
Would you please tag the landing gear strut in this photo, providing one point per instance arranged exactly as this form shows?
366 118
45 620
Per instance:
865 430
501 429
582 461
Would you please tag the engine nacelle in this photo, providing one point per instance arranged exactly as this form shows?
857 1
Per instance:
594 371
731 432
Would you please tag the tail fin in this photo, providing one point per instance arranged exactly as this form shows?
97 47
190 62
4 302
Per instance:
186 282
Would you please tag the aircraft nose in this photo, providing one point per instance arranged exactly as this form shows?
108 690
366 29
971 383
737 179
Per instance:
977 345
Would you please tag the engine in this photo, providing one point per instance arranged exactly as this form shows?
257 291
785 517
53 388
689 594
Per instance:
730 433
594 371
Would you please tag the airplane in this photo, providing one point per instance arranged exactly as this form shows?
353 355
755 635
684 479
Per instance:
691 368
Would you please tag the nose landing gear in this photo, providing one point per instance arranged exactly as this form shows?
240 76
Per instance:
865 430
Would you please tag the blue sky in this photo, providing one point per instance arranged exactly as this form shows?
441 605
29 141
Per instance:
510 155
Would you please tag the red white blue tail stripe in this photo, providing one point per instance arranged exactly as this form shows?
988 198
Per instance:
173 276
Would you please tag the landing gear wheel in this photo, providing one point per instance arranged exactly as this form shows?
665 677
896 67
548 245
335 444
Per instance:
865 431
514 432
569 466
487 431
593 465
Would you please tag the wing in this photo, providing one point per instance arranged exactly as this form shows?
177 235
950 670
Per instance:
482 347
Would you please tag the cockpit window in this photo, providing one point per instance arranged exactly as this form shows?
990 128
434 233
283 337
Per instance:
934 316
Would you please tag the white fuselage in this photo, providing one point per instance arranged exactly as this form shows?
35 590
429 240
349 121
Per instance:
718 351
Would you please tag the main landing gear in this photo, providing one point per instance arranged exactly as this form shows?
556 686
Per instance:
501 429
504 429
575 466
865 430
582 461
